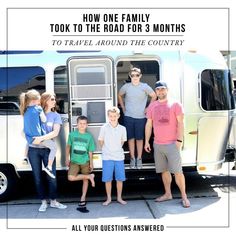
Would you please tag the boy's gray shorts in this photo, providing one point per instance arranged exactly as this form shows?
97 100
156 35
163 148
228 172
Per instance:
167 157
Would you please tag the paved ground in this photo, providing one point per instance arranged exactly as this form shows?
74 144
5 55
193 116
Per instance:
211 213
135 209
213 204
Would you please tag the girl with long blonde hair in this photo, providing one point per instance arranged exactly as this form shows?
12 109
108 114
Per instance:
34 119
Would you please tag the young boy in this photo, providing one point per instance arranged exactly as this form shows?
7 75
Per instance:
111 138
79 149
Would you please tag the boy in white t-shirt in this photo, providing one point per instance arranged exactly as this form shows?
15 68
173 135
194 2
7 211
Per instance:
111 138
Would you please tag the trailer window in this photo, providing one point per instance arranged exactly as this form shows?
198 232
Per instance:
61 89
9 108
216 90
14 81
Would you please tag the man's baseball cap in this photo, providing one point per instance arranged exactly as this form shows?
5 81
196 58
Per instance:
160 84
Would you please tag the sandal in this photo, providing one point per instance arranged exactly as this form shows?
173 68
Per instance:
82 203
82 207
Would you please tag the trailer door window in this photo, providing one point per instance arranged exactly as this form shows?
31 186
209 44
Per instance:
216 90
90 75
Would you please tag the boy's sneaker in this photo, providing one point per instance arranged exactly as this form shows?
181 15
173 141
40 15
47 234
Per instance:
43 207
132 163
139 163
58 205
49 172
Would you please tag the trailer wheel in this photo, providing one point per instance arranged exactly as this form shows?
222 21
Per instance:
7 182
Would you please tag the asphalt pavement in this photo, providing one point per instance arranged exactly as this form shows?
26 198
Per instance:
212 197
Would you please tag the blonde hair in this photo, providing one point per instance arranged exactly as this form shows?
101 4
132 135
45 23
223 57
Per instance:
114 110
26 98
44 98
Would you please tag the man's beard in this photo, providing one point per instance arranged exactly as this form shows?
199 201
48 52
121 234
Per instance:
162 97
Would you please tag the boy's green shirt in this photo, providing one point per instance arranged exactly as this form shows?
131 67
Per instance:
81 144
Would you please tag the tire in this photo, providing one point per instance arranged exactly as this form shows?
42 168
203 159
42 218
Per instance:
8 182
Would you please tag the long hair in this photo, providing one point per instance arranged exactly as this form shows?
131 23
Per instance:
44 98
26 98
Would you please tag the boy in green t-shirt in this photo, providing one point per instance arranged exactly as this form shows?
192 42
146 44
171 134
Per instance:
79 149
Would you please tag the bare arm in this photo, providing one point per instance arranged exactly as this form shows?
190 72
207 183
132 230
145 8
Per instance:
153 96
91 161
101 143
121 102
67 155
148 132
51 135
180 130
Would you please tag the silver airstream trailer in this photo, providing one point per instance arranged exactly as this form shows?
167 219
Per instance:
87 82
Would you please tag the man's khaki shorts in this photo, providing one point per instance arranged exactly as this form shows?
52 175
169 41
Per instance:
167 157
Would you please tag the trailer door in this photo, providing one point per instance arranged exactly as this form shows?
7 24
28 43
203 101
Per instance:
91 93
214 125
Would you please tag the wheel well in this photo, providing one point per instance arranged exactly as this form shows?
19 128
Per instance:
9 181
10 167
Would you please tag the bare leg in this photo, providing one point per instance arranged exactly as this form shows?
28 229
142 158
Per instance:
84 190
180 181
139 145
119 186
82 177
166 178
82 204
131 143
108 192
91 178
